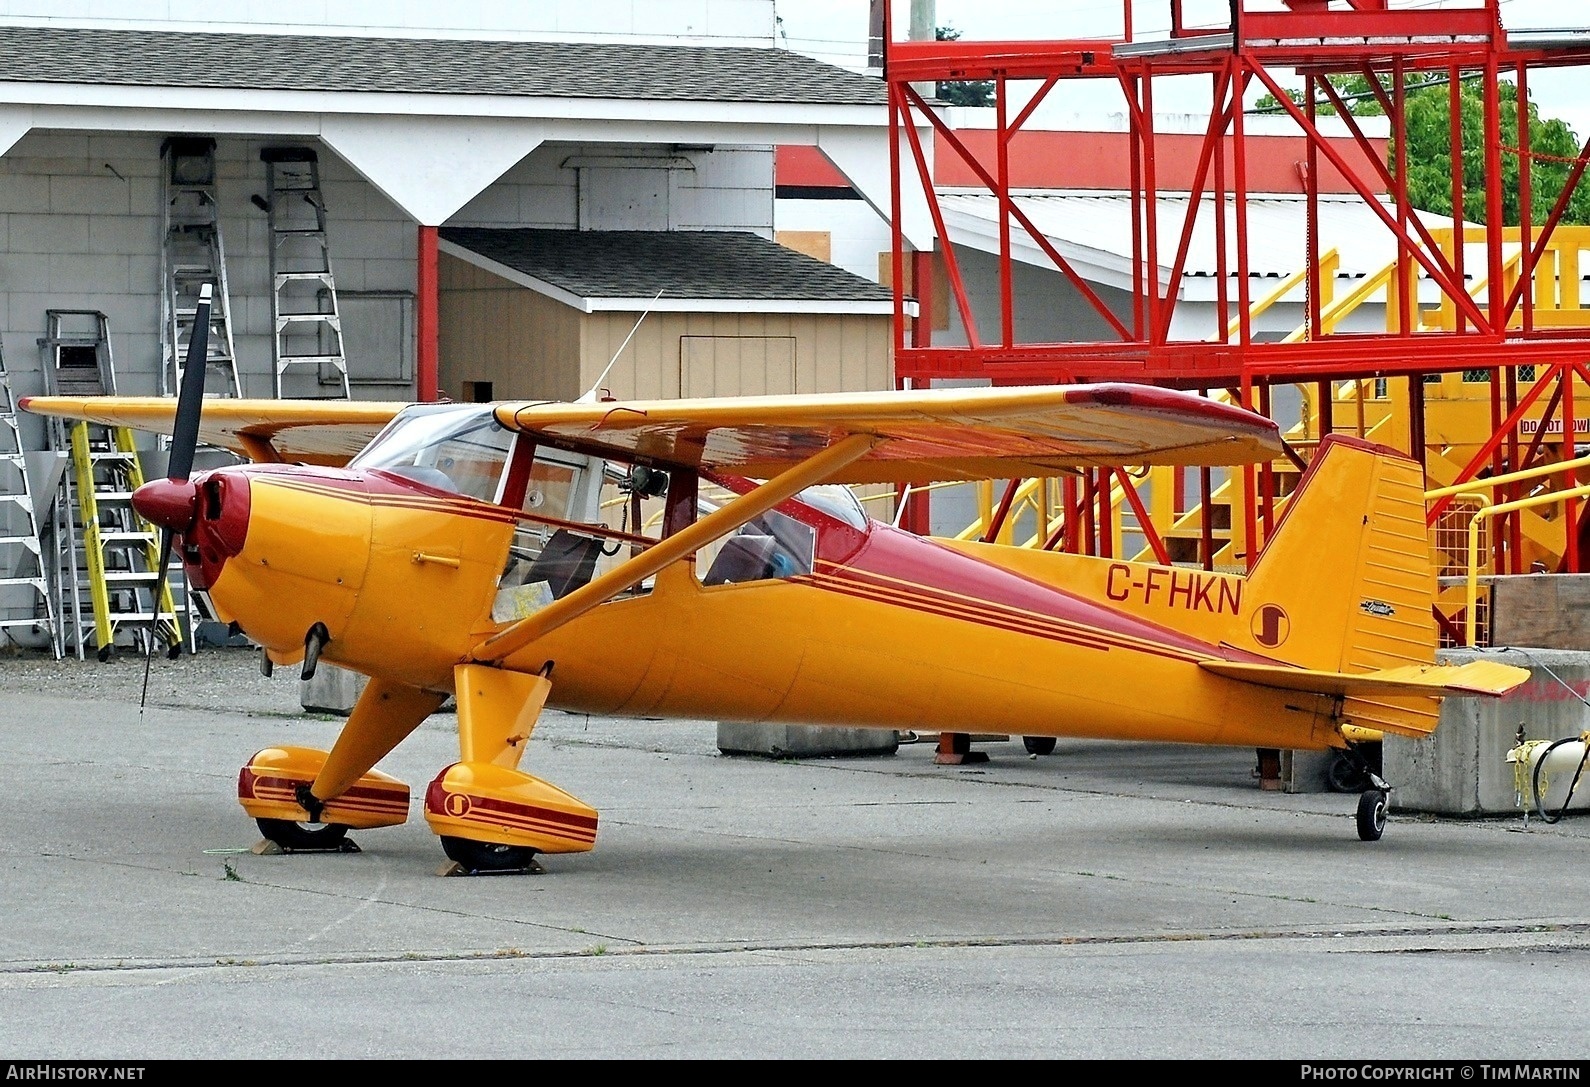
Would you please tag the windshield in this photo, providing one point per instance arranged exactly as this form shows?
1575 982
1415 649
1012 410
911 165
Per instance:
450 447
837 501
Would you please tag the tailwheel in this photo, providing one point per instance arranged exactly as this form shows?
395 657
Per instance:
307 837
1371 814
1038 745
486 858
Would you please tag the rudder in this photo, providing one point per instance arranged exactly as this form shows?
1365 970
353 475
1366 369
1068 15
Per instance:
1346 583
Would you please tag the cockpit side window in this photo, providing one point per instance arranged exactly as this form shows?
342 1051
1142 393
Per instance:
551 553
766 547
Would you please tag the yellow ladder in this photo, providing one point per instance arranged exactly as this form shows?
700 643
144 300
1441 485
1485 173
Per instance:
121 550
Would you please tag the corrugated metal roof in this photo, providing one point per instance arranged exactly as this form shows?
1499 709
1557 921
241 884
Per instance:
1100 224
416 66
686 264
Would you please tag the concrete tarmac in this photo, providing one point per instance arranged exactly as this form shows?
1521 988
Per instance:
1111 900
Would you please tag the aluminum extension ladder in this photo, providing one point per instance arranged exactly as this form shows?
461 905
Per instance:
192 254
24 581
305 321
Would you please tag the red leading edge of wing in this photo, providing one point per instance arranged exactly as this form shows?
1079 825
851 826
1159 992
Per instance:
1153 398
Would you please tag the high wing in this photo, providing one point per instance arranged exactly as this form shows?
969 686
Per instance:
323 432
921 435
934 434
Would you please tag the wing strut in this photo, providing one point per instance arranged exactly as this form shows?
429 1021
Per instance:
712 527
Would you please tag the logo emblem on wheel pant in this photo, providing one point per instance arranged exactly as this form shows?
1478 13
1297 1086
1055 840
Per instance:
457 805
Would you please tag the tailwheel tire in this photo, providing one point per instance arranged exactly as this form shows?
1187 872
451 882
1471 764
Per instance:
1038 745
489 856
304 837
1371 815
1345 776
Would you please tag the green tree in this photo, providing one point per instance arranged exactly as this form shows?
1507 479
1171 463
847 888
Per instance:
1427 110
971 92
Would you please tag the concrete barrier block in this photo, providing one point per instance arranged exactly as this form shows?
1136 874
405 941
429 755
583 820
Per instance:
332 690
1462 769
780 741
1306 771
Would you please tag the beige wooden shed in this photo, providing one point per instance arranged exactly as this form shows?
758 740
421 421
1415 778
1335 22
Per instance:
549 314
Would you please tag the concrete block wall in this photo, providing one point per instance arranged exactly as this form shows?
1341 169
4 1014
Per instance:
727 188
80 228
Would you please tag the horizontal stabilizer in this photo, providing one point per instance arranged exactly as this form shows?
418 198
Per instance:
1434 680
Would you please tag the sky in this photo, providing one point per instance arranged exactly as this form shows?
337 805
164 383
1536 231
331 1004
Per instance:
836 31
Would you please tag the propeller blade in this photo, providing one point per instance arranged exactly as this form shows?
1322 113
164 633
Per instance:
167 537
184 445
190 397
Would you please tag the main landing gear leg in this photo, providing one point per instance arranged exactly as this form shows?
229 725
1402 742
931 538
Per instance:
492 817
306 800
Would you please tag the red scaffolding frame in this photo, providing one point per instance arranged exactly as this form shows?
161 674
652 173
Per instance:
1383 40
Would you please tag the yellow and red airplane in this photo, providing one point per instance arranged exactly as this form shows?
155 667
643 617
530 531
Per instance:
458 550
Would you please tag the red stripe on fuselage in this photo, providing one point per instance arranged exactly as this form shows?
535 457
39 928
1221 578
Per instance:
376 490
1020 622
922 572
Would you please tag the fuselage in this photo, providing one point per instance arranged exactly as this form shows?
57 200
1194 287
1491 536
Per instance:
886 629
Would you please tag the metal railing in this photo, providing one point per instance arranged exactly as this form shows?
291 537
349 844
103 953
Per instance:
1480 490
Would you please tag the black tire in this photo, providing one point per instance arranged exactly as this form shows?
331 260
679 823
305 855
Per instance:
303 837
1371 815
1038 745
488 856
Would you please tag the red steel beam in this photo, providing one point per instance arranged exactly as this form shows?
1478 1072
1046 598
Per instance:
427 319
1021 217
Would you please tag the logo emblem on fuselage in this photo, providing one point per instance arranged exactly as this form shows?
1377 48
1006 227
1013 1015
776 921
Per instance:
1271 625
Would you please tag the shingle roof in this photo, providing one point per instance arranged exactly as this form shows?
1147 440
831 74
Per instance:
696 264
416 66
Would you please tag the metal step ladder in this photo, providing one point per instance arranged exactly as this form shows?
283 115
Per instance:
24 581
102 545
121 550
192 254
305 321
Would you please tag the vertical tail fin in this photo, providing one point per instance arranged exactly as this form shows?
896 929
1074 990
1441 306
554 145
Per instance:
1347 584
